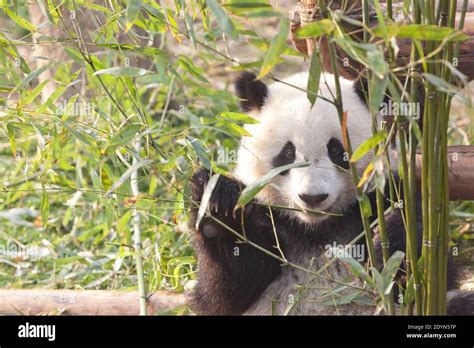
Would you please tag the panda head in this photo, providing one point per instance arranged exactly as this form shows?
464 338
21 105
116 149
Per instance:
290 130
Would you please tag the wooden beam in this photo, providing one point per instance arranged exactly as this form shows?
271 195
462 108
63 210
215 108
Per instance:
84 302
461 172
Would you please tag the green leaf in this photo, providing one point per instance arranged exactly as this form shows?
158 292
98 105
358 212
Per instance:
133 8
238 117
206 197
235 128
28 78
376 62
19 20
314 77
379 281
222 18
377 87
123 221
75 55
315 29
200 152
124 136
422 32
44 207
367 145
277 46
354 266
128 173
128 71
391 266
31 95
441 84
11 136
254 188
365 206
83 137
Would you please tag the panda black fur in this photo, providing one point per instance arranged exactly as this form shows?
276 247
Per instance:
237 278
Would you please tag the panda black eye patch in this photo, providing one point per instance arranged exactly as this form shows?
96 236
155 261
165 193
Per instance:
286 156
336 153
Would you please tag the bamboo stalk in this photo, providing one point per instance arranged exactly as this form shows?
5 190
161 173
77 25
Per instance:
355 176
137 233
410 189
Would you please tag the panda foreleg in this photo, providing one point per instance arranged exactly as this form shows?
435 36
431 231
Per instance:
232 274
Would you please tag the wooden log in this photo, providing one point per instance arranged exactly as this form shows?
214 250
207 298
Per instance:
84 302
461 172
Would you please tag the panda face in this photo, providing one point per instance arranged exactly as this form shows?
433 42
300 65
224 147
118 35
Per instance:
290 131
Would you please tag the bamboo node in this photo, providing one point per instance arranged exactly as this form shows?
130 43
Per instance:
430 244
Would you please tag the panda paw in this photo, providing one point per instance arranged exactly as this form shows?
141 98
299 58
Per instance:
221 204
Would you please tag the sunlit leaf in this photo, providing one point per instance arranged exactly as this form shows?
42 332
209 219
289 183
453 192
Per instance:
123 71
315 29
254 188
222 18
277 46
368 144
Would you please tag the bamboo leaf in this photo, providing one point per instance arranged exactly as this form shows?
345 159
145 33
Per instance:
128 173
377 87
44 207
206 197
367 145
83 137
222 18
235 128
277 46
11 137
31 95
365 205
133 8
28 78
391 266
315 29
200 152
128 71
314 78
124 136
238 117
22 22
354 266
421 32
254 188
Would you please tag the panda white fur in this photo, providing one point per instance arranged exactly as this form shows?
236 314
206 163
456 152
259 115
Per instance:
237 278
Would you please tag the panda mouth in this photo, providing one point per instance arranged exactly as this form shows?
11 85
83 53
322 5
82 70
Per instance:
311 218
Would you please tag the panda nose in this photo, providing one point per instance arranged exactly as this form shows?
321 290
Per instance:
313 199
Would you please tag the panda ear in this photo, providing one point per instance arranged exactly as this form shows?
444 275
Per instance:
252 92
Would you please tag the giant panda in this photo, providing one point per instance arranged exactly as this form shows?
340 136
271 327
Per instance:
236 277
